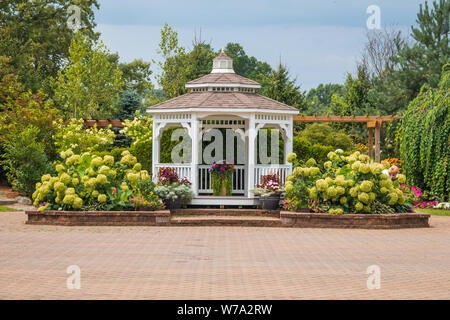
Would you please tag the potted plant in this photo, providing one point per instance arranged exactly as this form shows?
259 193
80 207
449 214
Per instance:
222 178
144 198
269 191
173 190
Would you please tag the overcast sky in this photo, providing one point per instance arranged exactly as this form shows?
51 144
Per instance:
319 40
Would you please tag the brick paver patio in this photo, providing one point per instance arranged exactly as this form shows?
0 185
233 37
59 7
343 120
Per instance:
222 262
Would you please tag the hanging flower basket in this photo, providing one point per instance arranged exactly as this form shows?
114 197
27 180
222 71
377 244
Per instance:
222 178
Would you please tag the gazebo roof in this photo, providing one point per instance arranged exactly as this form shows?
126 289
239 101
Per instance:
223 89
222 100
222 78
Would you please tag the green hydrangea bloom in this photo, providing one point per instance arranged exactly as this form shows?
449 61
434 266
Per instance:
359 206
366 186
321 184
68 199
311 162
98 162
101 198
356 165
384 190
101 179
59 167
65 178
363 197
401 178
46 177
137 167
108 160
343 200
331 192
392 198
75 181
340 190
95 193
327 165
364 168
354 192
77 203
59 187
291 157
338 211
372 196
75 159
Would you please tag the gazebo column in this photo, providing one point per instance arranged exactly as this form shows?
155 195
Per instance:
195 150
155 148
251 155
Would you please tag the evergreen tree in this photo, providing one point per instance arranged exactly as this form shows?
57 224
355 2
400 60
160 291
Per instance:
422 63
282 88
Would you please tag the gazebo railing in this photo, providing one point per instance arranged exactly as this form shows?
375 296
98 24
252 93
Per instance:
204 178
283 171
182 169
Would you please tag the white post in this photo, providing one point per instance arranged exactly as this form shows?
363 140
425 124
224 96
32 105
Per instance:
155 148
288 142
194 152
251 155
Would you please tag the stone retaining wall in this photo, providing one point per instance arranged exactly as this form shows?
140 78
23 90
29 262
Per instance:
100 218
361 221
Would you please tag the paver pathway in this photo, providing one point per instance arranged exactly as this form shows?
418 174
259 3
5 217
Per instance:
222 262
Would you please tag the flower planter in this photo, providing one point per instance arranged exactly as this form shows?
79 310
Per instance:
270 203
172 204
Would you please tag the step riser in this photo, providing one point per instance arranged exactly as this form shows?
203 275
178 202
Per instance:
218 223
227 212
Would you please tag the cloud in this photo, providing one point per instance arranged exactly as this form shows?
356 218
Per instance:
319 41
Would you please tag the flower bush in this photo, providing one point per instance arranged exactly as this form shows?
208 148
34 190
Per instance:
221 174
346 184
171 187
90 182
270 185
75 136
417 198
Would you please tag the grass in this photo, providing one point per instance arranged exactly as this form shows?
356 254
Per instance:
436 212
6 209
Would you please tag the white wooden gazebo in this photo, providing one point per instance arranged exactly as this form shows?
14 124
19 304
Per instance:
223 99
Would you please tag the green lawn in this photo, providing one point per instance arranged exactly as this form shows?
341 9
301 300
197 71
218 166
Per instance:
436 212
6 209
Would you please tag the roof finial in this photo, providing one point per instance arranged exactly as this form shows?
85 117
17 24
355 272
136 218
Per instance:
223 51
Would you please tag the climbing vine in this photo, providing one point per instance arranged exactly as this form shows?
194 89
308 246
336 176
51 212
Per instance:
424 138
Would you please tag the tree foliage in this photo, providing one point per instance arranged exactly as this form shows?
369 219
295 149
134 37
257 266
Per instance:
35 35
424 138
89 86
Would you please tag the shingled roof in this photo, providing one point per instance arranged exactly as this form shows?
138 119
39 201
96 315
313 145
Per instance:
223 78
222 100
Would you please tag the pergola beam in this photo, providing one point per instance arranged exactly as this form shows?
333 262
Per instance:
371 121
344 118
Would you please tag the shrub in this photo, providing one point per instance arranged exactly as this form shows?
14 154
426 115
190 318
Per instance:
347 184
323 134
87 181
139 131
75 136
171 187
25 161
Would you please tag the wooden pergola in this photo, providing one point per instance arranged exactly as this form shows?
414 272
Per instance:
371 121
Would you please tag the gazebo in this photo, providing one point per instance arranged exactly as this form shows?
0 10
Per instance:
223 100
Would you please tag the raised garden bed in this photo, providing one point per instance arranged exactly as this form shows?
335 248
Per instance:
100 218
354 221
227 217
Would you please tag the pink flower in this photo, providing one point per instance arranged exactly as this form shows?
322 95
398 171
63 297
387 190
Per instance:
413 188
417 193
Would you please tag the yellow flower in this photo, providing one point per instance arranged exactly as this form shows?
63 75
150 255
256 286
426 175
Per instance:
291 157
102 198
